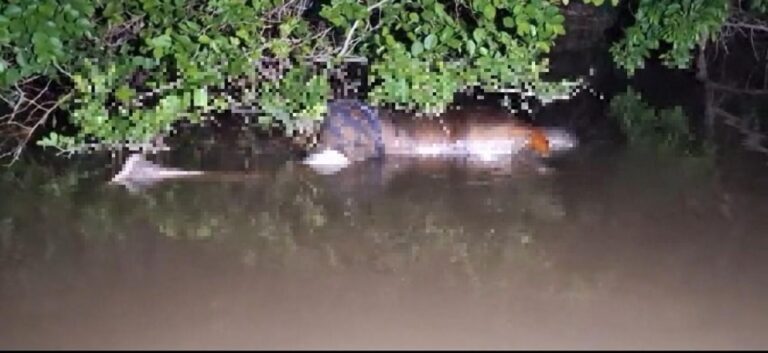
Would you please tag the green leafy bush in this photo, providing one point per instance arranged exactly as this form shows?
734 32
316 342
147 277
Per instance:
680 24
642 124
135 67
128 70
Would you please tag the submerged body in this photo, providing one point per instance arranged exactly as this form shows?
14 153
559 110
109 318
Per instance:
358 132
477 132
354 132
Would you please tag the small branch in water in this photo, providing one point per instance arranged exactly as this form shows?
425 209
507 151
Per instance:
746 24
747 91
753 140
749 26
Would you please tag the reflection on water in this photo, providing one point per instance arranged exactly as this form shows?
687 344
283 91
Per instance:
620 249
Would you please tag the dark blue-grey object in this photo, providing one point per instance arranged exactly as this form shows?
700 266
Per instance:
352 128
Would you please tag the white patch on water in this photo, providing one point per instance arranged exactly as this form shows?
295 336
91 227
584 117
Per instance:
435 149
328 161
486 150
137 167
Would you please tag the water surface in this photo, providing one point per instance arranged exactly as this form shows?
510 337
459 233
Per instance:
601 253
617 247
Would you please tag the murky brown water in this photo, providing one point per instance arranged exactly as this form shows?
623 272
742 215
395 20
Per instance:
613 250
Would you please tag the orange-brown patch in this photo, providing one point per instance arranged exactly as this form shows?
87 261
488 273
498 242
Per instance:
538 142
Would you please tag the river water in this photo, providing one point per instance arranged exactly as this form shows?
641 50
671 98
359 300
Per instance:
617 247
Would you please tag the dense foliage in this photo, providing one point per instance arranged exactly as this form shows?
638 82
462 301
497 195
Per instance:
641 122
125 71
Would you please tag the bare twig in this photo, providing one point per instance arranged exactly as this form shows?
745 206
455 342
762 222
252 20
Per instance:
27 116
119 34
346 47
349 37
376 5
745 26
56 64
40 122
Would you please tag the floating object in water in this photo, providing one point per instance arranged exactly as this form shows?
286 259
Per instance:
560 140
354 132
353 129
328 161
359 132
139 173
138 169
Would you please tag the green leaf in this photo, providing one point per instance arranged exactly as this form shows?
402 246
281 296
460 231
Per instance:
478 34
12 10
471 47
200 98
430 41
83 22
417 48
55 42
508 22
124 94
489 12
157 53
112 9
446 34
558 29
523 28
163 41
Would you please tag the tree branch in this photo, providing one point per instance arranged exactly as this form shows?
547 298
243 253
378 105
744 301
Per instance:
722 87
349 37
753 140
18 133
